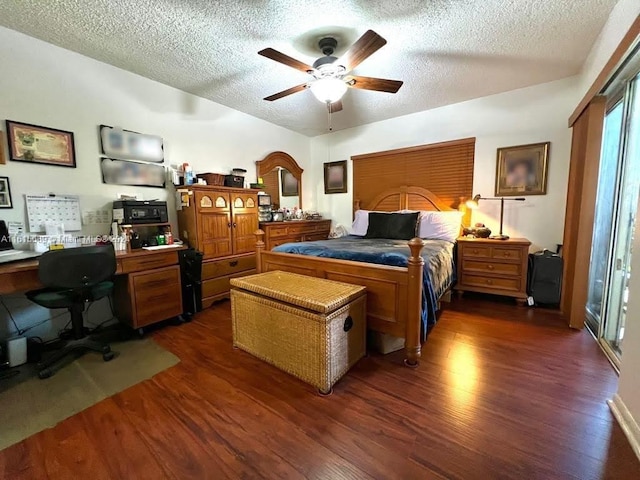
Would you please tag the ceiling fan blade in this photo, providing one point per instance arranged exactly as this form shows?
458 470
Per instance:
288 91
364 47
377 84
335 106
285 59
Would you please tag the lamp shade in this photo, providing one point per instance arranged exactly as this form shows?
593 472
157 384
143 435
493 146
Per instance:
473 202
328 90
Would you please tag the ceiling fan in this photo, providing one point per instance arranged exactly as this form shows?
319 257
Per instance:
331 75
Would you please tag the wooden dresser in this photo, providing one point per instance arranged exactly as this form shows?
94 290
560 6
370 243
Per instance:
498 267
220 222
278 233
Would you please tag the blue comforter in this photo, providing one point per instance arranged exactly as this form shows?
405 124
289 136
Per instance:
438 275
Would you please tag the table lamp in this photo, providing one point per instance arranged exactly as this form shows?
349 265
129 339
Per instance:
473 204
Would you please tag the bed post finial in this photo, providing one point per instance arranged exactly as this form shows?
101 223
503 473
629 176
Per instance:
259 248
415 266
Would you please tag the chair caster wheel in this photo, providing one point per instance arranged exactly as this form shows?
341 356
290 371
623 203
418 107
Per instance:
46 373
106 349
108 356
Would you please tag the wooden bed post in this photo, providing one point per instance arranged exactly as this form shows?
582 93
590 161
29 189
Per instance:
259 248
412 342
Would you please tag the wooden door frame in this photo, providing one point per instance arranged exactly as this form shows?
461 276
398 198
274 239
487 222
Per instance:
580 211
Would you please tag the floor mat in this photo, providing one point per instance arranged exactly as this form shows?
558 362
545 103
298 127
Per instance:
29 405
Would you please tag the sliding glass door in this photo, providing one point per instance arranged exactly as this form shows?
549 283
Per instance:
605 209
616 211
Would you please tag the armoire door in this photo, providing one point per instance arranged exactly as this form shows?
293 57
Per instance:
214 224
245 222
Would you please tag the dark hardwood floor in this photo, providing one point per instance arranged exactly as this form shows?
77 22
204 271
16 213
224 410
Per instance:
503 391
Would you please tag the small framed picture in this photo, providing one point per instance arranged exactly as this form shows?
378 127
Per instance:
289 184
5 193
35 144
522 170
335 177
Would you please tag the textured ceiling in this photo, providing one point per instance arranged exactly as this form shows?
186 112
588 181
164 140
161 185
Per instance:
445 51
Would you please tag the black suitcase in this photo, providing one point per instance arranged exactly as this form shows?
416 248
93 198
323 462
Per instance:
544 283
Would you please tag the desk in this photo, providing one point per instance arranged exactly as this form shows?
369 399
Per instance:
147 284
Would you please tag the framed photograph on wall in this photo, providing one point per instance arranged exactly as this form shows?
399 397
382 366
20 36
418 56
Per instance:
335 177
35 144
122 172
5 193
127 145
289 184
522 170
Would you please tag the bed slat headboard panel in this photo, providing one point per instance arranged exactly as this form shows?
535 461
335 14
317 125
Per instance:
405 198
444 169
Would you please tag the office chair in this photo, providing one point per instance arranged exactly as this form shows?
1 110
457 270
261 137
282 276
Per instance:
73 277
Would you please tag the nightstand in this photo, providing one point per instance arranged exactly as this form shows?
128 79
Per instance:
498 267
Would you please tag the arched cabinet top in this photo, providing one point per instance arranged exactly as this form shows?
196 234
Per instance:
279 159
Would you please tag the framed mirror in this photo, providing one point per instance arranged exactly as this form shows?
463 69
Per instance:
282 178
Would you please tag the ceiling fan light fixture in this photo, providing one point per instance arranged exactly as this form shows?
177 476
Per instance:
328 90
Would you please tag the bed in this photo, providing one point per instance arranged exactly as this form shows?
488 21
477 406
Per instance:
438 271
398 304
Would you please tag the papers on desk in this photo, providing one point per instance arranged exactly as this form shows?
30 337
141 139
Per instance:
162 247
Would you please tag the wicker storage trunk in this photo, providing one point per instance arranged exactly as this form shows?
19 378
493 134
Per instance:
312 328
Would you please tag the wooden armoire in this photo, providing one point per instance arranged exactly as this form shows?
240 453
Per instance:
220 222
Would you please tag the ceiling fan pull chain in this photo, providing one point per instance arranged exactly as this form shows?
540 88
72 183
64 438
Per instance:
329 119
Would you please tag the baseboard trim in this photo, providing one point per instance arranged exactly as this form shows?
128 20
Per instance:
626 421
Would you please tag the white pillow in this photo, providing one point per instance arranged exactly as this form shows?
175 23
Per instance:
440 225
360 223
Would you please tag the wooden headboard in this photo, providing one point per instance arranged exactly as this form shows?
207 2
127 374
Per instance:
443 170
404 198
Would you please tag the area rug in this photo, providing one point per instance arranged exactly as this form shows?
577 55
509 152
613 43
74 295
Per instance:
29 405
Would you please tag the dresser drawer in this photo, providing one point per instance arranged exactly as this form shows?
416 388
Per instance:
506 253
476 251
219 286
157 296
158 307
279 231
313 237
149 262
477 266
281 241
157 279
229 266
493 283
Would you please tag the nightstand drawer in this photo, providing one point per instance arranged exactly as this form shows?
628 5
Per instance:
476 251
476 266
494 283
506 253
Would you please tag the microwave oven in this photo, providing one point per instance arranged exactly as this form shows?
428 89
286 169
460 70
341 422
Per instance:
139 212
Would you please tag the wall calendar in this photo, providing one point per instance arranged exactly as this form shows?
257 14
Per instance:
56 209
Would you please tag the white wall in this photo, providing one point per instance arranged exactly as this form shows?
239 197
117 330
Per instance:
529 115
45 85
622 16
629 383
